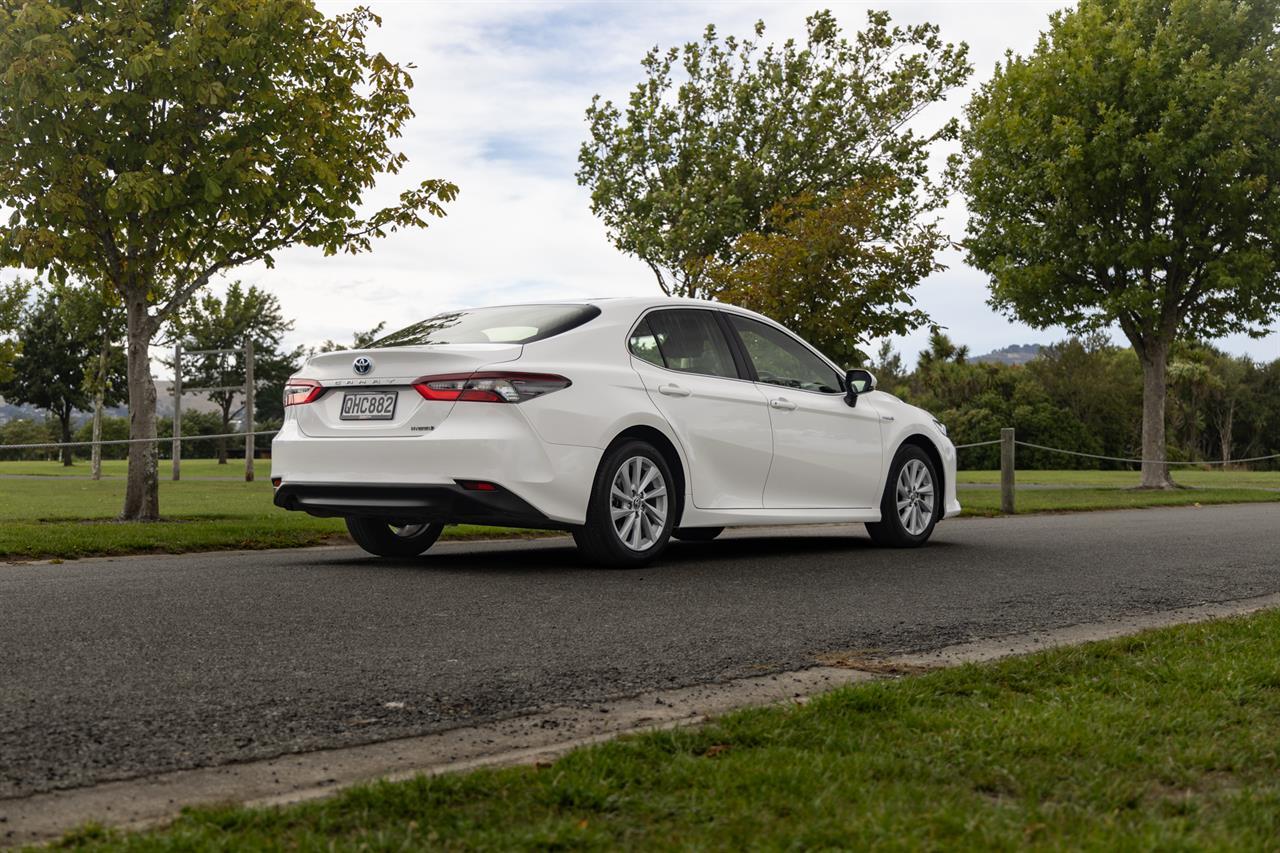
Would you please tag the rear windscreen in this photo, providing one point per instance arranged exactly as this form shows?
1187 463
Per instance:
508 324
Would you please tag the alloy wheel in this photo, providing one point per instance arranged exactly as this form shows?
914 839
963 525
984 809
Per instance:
638 503
915 497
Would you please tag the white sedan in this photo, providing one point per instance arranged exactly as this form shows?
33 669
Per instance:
624 421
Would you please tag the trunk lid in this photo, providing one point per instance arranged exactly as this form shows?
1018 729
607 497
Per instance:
391 371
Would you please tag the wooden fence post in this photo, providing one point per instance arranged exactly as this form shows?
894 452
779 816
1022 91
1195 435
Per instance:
249 438
177 411
1006 471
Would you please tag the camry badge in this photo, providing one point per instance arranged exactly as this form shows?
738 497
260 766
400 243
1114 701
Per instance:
362 365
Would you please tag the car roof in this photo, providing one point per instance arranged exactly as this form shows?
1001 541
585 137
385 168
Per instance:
617 306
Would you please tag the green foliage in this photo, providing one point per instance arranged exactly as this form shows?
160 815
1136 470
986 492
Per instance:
1126 171
23 431
12 297
722 130
1085 394
359 340
113 429
838 272
52 369
150 146
98 314
210 323
147 147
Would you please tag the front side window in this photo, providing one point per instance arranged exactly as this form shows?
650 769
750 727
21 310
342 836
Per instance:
684 339
507 324
780 359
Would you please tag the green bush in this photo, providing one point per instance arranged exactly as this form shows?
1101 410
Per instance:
113 429
22 431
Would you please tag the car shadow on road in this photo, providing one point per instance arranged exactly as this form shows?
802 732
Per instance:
559 556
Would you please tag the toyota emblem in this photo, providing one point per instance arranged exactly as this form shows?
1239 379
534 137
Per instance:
362 365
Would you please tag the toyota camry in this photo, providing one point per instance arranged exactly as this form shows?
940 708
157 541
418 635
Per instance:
625 421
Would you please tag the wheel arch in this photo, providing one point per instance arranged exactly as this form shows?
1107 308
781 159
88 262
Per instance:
670 453
926 444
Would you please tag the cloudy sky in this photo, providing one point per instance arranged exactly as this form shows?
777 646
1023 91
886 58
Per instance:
501 88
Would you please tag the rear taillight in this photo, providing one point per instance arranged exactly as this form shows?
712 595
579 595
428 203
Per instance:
490 387
299 391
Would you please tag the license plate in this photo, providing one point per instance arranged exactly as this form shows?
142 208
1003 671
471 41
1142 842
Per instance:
368 406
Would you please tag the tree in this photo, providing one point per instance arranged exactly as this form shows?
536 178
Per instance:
359 340
210 323
50 371
147 147
1099 383
1127 172
889 368
840 273
96 313
12 297
686 168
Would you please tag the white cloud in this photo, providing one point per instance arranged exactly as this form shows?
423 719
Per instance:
501 88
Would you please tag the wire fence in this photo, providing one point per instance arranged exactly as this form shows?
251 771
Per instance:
114 441
994 441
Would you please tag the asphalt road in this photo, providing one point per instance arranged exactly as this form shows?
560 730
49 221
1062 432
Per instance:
117 668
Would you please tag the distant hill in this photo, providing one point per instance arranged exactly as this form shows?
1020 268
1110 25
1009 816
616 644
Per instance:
1014 354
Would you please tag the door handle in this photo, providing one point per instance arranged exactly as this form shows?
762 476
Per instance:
782 403
673 390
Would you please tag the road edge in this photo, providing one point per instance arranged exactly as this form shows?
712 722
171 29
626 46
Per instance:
154 800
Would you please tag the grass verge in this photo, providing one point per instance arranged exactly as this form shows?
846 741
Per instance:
44 513
1165 740
986 502
62 518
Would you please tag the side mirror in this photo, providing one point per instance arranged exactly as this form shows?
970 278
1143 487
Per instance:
857 381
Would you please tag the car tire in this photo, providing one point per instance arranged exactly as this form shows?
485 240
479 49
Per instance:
912 501
627 527
697 534
383 538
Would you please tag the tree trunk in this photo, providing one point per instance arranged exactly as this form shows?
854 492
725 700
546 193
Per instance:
99 392
95 452
64 419
142 489
1224 433
1155 361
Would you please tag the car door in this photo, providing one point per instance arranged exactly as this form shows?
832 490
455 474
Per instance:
721 418
826 454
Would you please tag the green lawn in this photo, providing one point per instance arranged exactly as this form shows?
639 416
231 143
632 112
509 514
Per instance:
44 513
64 518
233 470
986 502
1166 740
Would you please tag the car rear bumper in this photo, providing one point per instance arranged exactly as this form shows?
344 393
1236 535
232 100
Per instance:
413 504
483 442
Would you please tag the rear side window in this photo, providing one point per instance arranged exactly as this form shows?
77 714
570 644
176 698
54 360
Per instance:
645 345
507 324
687 340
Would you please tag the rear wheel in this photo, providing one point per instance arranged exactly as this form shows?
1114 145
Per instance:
390 539
632 507
697 534
912 501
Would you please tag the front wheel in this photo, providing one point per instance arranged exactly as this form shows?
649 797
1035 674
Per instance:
912 501
632 508
392 539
